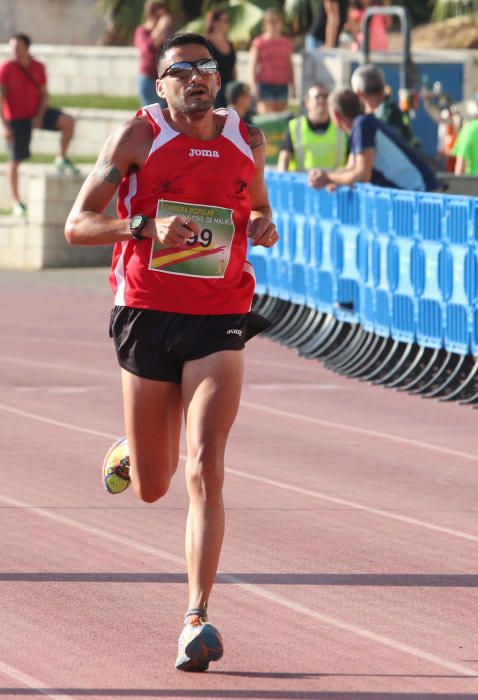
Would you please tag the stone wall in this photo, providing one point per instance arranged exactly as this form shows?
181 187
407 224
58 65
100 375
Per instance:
105 70
39 241
52 21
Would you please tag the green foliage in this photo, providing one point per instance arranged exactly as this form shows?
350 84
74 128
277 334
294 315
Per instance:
444 9
94 102
420 10
300 13
245 19
123 16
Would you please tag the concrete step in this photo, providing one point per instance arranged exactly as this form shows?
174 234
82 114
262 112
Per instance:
38 241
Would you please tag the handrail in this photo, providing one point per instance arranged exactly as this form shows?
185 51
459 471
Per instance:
407 72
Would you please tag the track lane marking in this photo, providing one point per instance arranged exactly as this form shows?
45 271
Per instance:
361 431
258 591
352 504
93 343
411 442
32 683
254 589
268 482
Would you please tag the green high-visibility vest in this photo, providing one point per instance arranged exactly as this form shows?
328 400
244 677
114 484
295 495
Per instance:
312 150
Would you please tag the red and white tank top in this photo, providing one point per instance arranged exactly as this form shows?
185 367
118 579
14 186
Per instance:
207 181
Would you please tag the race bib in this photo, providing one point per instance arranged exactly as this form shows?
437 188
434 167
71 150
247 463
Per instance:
203 255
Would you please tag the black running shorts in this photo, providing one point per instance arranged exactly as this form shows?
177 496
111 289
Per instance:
19 147
156 344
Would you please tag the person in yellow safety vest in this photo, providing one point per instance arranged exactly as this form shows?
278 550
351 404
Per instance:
313 140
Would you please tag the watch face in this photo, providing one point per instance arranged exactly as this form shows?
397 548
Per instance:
136 221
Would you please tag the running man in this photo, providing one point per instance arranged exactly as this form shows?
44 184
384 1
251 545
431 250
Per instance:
191 191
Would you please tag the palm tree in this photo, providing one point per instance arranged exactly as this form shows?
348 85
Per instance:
444 9
123 16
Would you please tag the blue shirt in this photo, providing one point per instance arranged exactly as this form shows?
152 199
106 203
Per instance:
396 164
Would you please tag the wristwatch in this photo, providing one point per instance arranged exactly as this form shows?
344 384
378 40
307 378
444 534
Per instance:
136 225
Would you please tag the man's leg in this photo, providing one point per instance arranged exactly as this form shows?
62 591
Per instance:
153 415
65 124
12 180
211 395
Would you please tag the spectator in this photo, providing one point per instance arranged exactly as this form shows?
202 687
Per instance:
148 37
313 140
238 97
377 154
216 29
466 149
24 105
271 66
368 82
378 38
329 22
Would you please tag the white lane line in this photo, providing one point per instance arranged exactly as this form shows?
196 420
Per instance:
278 412
268 482
296 386
258 591
29 682
67 341
351 504
56 366
29 339
59 389
394 644
360 431
57 423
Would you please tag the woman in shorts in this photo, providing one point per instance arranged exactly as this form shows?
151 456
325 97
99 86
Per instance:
271 66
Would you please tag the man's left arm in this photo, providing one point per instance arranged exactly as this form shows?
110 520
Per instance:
38 118
43 102
262 230
358 169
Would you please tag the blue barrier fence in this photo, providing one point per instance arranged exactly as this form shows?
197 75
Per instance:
402 264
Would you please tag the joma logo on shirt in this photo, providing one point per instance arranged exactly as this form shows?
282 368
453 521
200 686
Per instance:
203 152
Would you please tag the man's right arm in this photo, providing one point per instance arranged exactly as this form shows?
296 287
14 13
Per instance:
286 152
7 130
125 150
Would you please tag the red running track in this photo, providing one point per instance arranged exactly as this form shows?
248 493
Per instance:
350 565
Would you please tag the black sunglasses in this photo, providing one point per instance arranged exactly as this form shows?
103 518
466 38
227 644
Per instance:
183 69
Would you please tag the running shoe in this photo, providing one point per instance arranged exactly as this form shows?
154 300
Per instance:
199 644
20 210
116 467
64 165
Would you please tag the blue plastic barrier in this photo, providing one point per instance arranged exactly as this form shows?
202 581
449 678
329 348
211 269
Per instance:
402 264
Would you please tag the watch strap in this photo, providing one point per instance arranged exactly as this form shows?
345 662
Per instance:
136 230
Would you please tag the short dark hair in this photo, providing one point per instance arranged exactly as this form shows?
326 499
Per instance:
346 103
234 90
182 39
24 38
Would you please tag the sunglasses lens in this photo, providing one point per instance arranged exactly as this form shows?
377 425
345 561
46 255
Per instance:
206 66
181 69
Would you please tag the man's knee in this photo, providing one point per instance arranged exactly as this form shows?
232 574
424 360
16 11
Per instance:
65 123
151 484
205 476
150 491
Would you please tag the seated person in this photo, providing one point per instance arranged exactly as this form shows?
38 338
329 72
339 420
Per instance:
377 154
313 140
368 82
239 97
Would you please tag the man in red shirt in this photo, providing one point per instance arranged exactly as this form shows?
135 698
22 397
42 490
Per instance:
24 105
191 194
